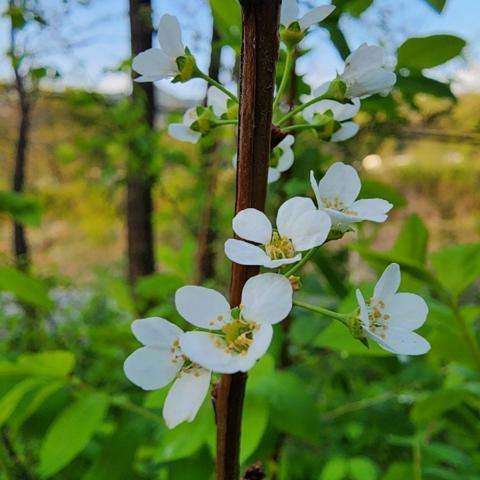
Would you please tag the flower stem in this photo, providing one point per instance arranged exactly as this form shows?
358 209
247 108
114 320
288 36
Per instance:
301 107
221 123
286 75
302 262
298 126
213 82
342 317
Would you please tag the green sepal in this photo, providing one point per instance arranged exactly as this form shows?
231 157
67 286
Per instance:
187 68
292 35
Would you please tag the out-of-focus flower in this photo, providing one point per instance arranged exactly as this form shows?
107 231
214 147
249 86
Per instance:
336 194
159 362
365 73
389 318
241 335
300 227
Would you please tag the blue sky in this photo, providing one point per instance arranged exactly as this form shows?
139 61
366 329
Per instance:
101 39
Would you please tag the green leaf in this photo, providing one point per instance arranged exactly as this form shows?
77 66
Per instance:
418 53
362 468
437 5
287 393
338 338
335 469
227 21
12 398
254 423
413 84
71 431
356 7
22 208
25 288
412 241
57 363
375 189
121 447
457 266
187 438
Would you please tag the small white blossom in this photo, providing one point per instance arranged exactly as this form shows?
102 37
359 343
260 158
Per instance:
389 318
300 227
183 131
290 13
159 362
281 161
241 335
336 194
341 113
158 63
365 73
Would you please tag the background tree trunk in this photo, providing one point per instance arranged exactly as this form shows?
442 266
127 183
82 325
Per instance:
207 233
141 258
257 83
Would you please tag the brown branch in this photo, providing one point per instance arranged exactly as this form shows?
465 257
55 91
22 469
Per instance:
257 80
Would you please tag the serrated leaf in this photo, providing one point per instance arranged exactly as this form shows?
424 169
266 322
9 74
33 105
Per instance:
71 431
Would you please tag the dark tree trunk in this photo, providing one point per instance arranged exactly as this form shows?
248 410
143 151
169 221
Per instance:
141 260
207 233
258 60
20 244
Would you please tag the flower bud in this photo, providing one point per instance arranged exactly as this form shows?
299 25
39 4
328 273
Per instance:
187 68
292 35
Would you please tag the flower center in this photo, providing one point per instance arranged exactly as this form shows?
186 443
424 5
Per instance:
190 368
279 247
238 335
377 319
336 204
177 354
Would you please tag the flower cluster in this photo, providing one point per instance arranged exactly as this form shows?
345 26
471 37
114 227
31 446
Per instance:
225 338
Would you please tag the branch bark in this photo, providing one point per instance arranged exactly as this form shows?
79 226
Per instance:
141 259
257 81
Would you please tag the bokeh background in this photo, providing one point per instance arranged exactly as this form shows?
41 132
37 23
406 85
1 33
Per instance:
320 405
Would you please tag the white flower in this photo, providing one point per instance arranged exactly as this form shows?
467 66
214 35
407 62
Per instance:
389 318
281 161
182 131
341 113
157 63
243 334
290 13
365 73
336 194
300 227
159 362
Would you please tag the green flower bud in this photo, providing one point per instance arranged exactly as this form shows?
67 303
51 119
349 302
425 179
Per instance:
292 35
187 68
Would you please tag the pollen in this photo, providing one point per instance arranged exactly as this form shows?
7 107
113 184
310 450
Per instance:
279 247
377 319
238 335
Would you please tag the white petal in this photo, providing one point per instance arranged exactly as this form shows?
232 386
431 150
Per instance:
267 298
402 342
346 131
311 230
363 308
285 161
181 132
273 174
287 142
253 225
407 311
314 184
217 100
186 396
373 209
288 12
234 161
289 212
364 58
340 182
388 284
153 65
261 341
170 36
369 83
339 218
202 307
341 111
151 367
321 89
155 331
282 261
208 350
315 15
190 116
245 253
